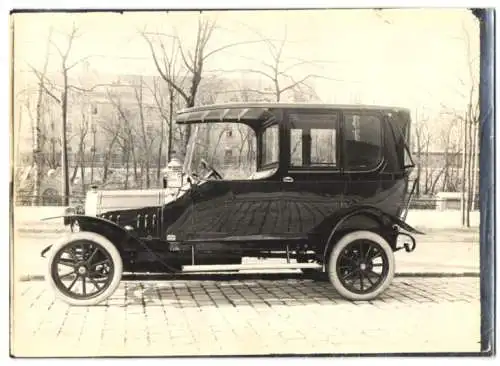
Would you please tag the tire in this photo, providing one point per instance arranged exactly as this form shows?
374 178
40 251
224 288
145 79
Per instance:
102 249
361 268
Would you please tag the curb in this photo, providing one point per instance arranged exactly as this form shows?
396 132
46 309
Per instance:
269 276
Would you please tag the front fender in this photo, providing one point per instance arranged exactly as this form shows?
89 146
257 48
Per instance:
118 235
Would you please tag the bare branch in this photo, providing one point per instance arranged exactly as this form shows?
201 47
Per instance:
78 61
163 73
229 46
57 48
291 86
245 70
300 63
257 91
95 86
42 79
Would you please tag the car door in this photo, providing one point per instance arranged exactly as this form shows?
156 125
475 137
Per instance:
239 205
313 187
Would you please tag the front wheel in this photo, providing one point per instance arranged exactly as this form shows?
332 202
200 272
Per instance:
361 265
84 269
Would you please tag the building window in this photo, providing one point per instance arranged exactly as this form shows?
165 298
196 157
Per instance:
228 156
150 130
229 133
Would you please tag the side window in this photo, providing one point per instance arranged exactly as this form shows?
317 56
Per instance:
313 140
363 141
270 145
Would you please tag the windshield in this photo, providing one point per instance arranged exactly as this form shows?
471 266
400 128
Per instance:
228 148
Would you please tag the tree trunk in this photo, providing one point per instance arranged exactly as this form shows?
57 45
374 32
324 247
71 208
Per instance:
134 162
158 168
146 150
64 142
419 169
474 168
469 174
160 153
170 117
428 171
436 179
82 168
75 171
92 159
107 158
37 149
127 167
446 168
463 197
105 168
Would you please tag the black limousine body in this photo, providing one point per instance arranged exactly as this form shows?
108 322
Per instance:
325 188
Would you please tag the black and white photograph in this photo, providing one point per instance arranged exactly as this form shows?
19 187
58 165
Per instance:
247 182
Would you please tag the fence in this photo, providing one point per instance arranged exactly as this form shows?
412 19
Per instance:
47 200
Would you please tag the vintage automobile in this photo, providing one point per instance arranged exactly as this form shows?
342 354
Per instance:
323 187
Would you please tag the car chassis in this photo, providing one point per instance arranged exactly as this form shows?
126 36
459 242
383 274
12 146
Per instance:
342 218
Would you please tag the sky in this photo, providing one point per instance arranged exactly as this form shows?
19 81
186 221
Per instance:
417 59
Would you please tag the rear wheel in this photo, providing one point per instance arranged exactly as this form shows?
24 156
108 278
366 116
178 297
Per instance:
84 269
361 265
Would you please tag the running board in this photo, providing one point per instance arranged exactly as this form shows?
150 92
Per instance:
243 267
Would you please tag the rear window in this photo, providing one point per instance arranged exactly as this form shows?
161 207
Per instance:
363 141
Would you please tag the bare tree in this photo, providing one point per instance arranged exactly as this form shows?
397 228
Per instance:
37 148
124 134
165 106
81 135
469 121
147 138
278 71
421 146
449 138
93 151
60 95
193 60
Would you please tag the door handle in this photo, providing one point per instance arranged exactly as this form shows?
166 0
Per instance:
287 179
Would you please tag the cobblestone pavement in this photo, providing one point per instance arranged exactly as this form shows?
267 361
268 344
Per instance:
239 316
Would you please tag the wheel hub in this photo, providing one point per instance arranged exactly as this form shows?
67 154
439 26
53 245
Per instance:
362 266
82 270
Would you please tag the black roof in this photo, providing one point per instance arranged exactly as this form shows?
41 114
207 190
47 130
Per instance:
255 111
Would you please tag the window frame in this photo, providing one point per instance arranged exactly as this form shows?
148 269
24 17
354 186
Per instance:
381 157
338 142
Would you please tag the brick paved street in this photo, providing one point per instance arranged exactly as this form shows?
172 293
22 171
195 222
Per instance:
241 315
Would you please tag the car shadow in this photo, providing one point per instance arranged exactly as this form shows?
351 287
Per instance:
229 290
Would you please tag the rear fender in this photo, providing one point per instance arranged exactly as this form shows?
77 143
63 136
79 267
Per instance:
373 214
119 236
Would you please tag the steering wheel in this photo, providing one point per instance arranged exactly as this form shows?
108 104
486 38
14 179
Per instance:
213 172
